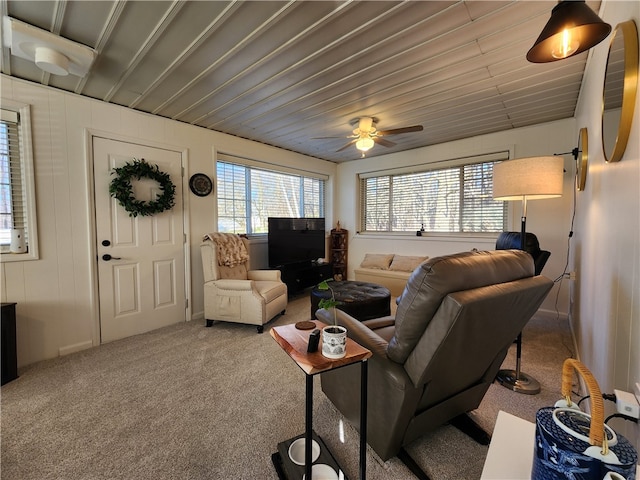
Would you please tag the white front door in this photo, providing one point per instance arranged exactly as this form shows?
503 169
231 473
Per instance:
141 267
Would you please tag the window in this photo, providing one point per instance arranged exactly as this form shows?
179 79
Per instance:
17 202
248 195
449 200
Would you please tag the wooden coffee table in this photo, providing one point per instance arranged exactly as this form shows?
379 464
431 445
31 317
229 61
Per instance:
294 342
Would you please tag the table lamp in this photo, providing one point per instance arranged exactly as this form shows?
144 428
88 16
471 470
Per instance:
532 178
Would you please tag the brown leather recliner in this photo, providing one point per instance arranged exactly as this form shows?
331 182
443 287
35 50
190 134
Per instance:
435 360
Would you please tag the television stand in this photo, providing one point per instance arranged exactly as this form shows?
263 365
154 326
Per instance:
298 276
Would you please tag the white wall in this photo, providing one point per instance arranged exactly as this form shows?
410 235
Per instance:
605 313
548 219
57 309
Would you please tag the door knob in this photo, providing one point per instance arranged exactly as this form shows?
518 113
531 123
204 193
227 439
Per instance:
106 243
106 257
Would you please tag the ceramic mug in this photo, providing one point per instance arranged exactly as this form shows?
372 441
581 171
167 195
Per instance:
334 341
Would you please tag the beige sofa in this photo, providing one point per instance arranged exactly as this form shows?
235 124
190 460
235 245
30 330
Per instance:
389 270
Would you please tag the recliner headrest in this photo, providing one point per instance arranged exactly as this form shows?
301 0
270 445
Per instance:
432 281
511 240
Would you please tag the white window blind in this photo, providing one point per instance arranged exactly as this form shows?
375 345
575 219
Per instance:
13 211
449 200
17 185
249 195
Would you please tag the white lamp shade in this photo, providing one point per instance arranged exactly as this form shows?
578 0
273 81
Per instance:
531 178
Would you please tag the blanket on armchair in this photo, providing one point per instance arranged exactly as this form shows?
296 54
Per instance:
230 248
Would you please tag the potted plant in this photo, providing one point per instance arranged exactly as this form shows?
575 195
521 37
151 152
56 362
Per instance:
334 337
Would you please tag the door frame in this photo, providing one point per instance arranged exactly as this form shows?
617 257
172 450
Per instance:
89 135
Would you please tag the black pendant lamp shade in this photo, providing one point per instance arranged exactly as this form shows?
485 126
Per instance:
572 29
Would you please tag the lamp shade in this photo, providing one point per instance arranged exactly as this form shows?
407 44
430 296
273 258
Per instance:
572 29
531 178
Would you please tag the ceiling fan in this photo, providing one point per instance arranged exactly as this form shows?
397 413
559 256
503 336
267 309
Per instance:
365 135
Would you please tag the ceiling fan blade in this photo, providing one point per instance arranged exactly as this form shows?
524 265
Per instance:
344 147
325 138
384 142
396 131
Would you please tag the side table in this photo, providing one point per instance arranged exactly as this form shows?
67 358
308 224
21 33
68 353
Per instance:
510 454
294 342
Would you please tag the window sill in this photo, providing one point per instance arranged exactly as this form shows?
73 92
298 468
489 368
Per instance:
7 257
439 237
257 237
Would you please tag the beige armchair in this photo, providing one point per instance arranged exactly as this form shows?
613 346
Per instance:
434 361
232 292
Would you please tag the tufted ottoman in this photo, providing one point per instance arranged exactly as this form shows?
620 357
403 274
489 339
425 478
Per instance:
361 300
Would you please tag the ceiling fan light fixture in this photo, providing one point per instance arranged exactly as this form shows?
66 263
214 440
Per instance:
50 52
364 144
366 135
51 61
365 124
572 29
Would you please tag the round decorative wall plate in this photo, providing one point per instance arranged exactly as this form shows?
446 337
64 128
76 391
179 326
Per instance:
200 184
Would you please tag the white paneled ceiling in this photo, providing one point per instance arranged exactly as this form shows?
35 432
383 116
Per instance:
284 73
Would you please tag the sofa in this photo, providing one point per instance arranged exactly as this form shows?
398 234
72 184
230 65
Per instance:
389 270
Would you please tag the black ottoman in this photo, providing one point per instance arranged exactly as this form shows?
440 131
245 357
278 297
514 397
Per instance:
361 300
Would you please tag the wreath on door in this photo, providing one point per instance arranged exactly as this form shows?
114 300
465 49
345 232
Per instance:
120 188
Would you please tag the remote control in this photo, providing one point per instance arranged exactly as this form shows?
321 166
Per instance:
314 339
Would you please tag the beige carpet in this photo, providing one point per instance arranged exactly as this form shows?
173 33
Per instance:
189 402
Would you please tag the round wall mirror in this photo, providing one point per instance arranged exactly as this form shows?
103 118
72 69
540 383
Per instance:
619 91
581 155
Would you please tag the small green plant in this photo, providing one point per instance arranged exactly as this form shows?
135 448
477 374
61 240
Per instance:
328 303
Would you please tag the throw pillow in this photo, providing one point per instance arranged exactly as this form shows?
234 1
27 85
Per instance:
378 261
402 263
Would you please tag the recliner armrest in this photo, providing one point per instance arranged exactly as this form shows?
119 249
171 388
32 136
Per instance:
232 284
356 330
380 322
369 339
264 275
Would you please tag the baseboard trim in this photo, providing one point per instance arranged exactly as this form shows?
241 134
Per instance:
75 348
554 313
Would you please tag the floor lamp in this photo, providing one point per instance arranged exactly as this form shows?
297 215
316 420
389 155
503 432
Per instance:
532 178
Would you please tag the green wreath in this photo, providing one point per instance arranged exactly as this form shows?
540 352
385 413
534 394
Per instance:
120 188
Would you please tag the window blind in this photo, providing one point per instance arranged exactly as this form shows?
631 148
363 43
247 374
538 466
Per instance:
449 200
248 196
481 213
13 211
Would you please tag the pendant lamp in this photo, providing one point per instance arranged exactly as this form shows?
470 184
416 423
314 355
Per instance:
572 29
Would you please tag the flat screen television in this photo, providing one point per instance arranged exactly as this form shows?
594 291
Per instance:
295 240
